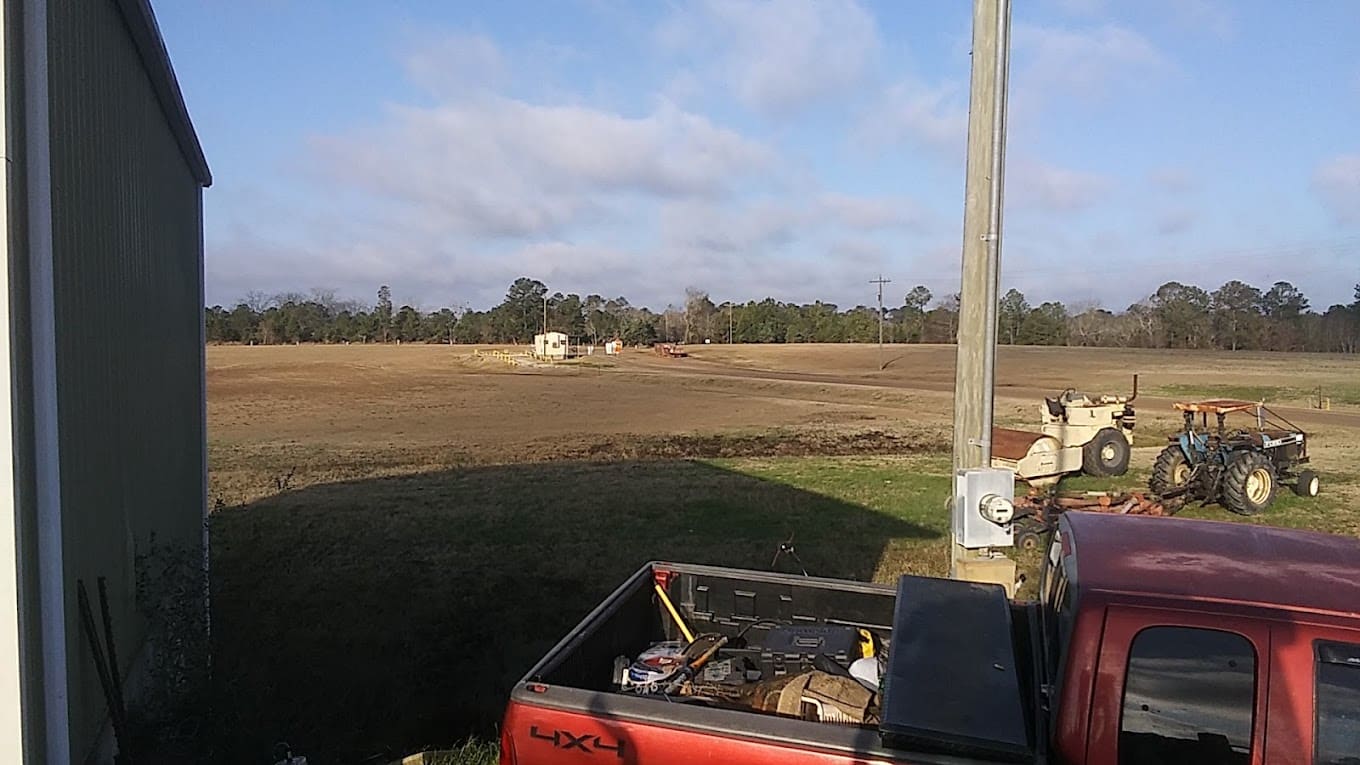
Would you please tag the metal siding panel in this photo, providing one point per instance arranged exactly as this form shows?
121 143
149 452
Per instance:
18 739
127 251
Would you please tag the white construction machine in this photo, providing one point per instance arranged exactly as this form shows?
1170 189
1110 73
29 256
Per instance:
1079 434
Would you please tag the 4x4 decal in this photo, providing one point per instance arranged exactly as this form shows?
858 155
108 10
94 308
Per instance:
589 743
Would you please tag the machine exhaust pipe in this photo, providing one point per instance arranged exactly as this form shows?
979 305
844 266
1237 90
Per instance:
1134 395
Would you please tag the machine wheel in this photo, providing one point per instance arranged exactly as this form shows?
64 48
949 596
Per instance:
1249 484
1028 540
1171 470
1105 455
1307 485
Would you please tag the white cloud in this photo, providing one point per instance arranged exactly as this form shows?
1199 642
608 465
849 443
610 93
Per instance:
862 213
242 261
764 226
501 167
1036 185
745 229
1337 182
932 117
451 202
776 56
859 252
422 269
1084 62
455 64
566 265
683 87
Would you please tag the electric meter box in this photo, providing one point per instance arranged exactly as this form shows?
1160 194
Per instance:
972 487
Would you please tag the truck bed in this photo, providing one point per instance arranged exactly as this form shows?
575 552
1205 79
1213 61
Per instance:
567 703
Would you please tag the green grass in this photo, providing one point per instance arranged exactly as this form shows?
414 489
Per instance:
1134 480
1341 394
1327 512
472 752
1265 393
1322 513
381 616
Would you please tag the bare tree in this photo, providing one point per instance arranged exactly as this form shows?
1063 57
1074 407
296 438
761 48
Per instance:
1090 325
258 301
1146 322
699 312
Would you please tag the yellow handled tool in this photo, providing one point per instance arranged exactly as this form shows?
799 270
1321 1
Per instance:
666 601
866 643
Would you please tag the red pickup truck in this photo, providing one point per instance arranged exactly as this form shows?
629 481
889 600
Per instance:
1153 640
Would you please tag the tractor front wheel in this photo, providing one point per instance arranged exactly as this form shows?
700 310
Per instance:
1307 485
1171 470
1105 455
1249 484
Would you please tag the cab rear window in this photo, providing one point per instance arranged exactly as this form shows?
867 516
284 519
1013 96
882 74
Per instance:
1189 697
1338 704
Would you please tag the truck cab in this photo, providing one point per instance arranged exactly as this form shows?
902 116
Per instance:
1152 640
1172 640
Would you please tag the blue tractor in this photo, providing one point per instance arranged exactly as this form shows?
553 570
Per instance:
1240 468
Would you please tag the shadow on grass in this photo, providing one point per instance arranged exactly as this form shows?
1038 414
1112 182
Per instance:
382 616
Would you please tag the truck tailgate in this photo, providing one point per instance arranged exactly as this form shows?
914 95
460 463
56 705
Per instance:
541 735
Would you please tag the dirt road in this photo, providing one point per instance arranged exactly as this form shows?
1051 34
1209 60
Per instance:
930 381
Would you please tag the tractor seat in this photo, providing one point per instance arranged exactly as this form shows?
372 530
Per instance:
1054 408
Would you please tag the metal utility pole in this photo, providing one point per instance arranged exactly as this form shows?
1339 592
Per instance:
880 281
976 369
545 314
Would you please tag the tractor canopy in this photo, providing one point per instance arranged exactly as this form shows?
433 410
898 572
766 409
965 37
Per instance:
1218 406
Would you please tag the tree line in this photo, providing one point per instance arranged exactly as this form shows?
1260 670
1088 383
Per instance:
1236 316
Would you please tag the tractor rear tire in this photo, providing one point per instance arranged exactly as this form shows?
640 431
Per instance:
1249 484
1307 485
1105 455
1171 471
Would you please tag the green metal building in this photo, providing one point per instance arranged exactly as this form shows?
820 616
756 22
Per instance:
102 459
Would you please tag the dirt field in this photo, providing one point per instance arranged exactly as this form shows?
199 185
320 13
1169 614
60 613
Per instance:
399 531
297 416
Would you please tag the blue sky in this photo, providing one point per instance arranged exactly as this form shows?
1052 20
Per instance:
790 148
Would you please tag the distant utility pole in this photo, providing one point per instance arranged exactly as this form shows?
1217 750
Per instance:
729 322
545 314
880 281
